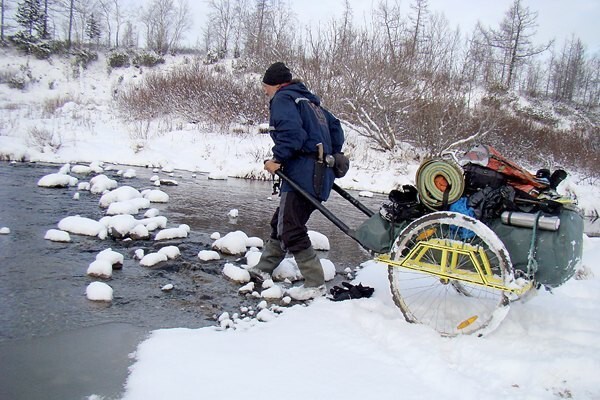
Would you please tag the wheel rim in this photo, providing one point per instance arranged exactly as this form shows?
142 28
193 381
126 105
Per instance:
450 306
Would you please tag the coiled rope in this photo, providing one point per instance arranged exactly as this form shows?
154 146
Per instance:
439 183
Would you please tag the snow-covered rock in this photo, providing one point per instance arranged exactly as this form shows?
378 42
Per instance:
232 243
252 258
139 232
265 315
255 242
99 291
208 255
247 288
57 181
319 241
101 268
131 206
151 212
129 173
82 226
4 230
155 196
122 193
113 257
170 251
101 183
119 225
56 235
235 273
81 170
274 292
233 213
152 259
172 233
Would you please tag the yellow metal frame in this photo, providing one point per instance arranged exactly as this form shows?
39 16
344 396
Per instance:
448 268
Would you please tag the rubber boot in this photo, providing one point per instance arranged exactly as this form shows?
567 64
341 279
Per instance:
270 258
310 267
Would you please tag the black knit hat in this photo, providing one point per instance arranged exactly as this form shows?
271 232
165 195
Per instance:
277 73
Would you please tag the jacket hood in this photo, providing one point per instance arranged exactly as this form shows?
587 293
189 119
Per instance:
297 90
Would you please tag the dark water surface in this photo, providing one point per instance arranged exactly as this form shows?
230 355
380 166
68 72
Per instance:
56 344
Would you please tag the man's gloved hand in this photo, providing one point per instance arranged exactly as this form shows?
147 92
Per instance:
350 291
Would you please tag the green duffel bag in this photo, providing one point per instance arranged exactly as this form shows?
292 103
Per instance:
378 234
558 253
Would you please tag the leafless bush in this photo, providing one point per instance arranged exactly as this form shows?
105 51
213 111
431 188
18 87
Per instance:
44 140
195 94
52 104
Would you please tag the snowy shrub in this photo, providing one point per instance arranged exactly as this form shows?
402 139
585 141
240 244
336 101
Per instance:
83 58
17 79
44 140
147 59
118 59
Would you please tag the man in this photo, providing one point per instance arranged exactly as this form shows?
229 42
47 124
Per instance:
304 133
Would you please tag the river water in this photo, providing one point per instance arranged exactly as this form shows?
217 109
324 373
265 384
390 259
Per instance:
54 343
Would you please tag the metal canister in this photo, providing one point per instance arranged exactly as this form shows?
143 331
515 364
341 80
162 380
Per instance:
526 220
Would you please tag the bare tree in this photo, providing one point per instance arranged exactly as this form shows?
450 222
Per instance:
567 70
420 13
166 21
4 7
221 23
513 40
389 18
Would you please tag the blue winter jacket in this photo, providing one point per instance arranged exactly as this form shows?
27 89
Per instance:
296 128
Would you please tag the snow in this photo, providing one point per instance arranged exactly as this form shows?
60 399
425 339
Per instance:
113 257
4 230
232 243
254 242
132 206
545 347
236 273
208 255
172 233
152 259
170 251
168 287
120 194
274 292
100 268
57 180
82 226
99 291
102 183
56 235
318 241
156 196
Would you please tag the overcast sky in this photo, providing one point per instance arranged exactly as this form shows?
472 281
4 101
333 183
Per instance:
557 19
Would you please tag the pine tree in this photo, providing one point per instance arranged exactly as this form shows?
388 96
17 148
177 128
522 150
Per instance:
92 29
30 15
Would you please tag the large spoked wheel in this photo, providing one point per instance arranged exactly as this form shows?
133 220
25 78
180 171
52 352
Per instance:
450 306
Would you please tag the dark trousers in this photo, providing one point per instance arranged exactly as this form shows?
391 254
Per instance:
289 222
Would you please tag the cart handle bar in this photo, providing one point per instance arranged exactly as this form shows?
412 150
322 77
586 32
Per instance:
324 210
